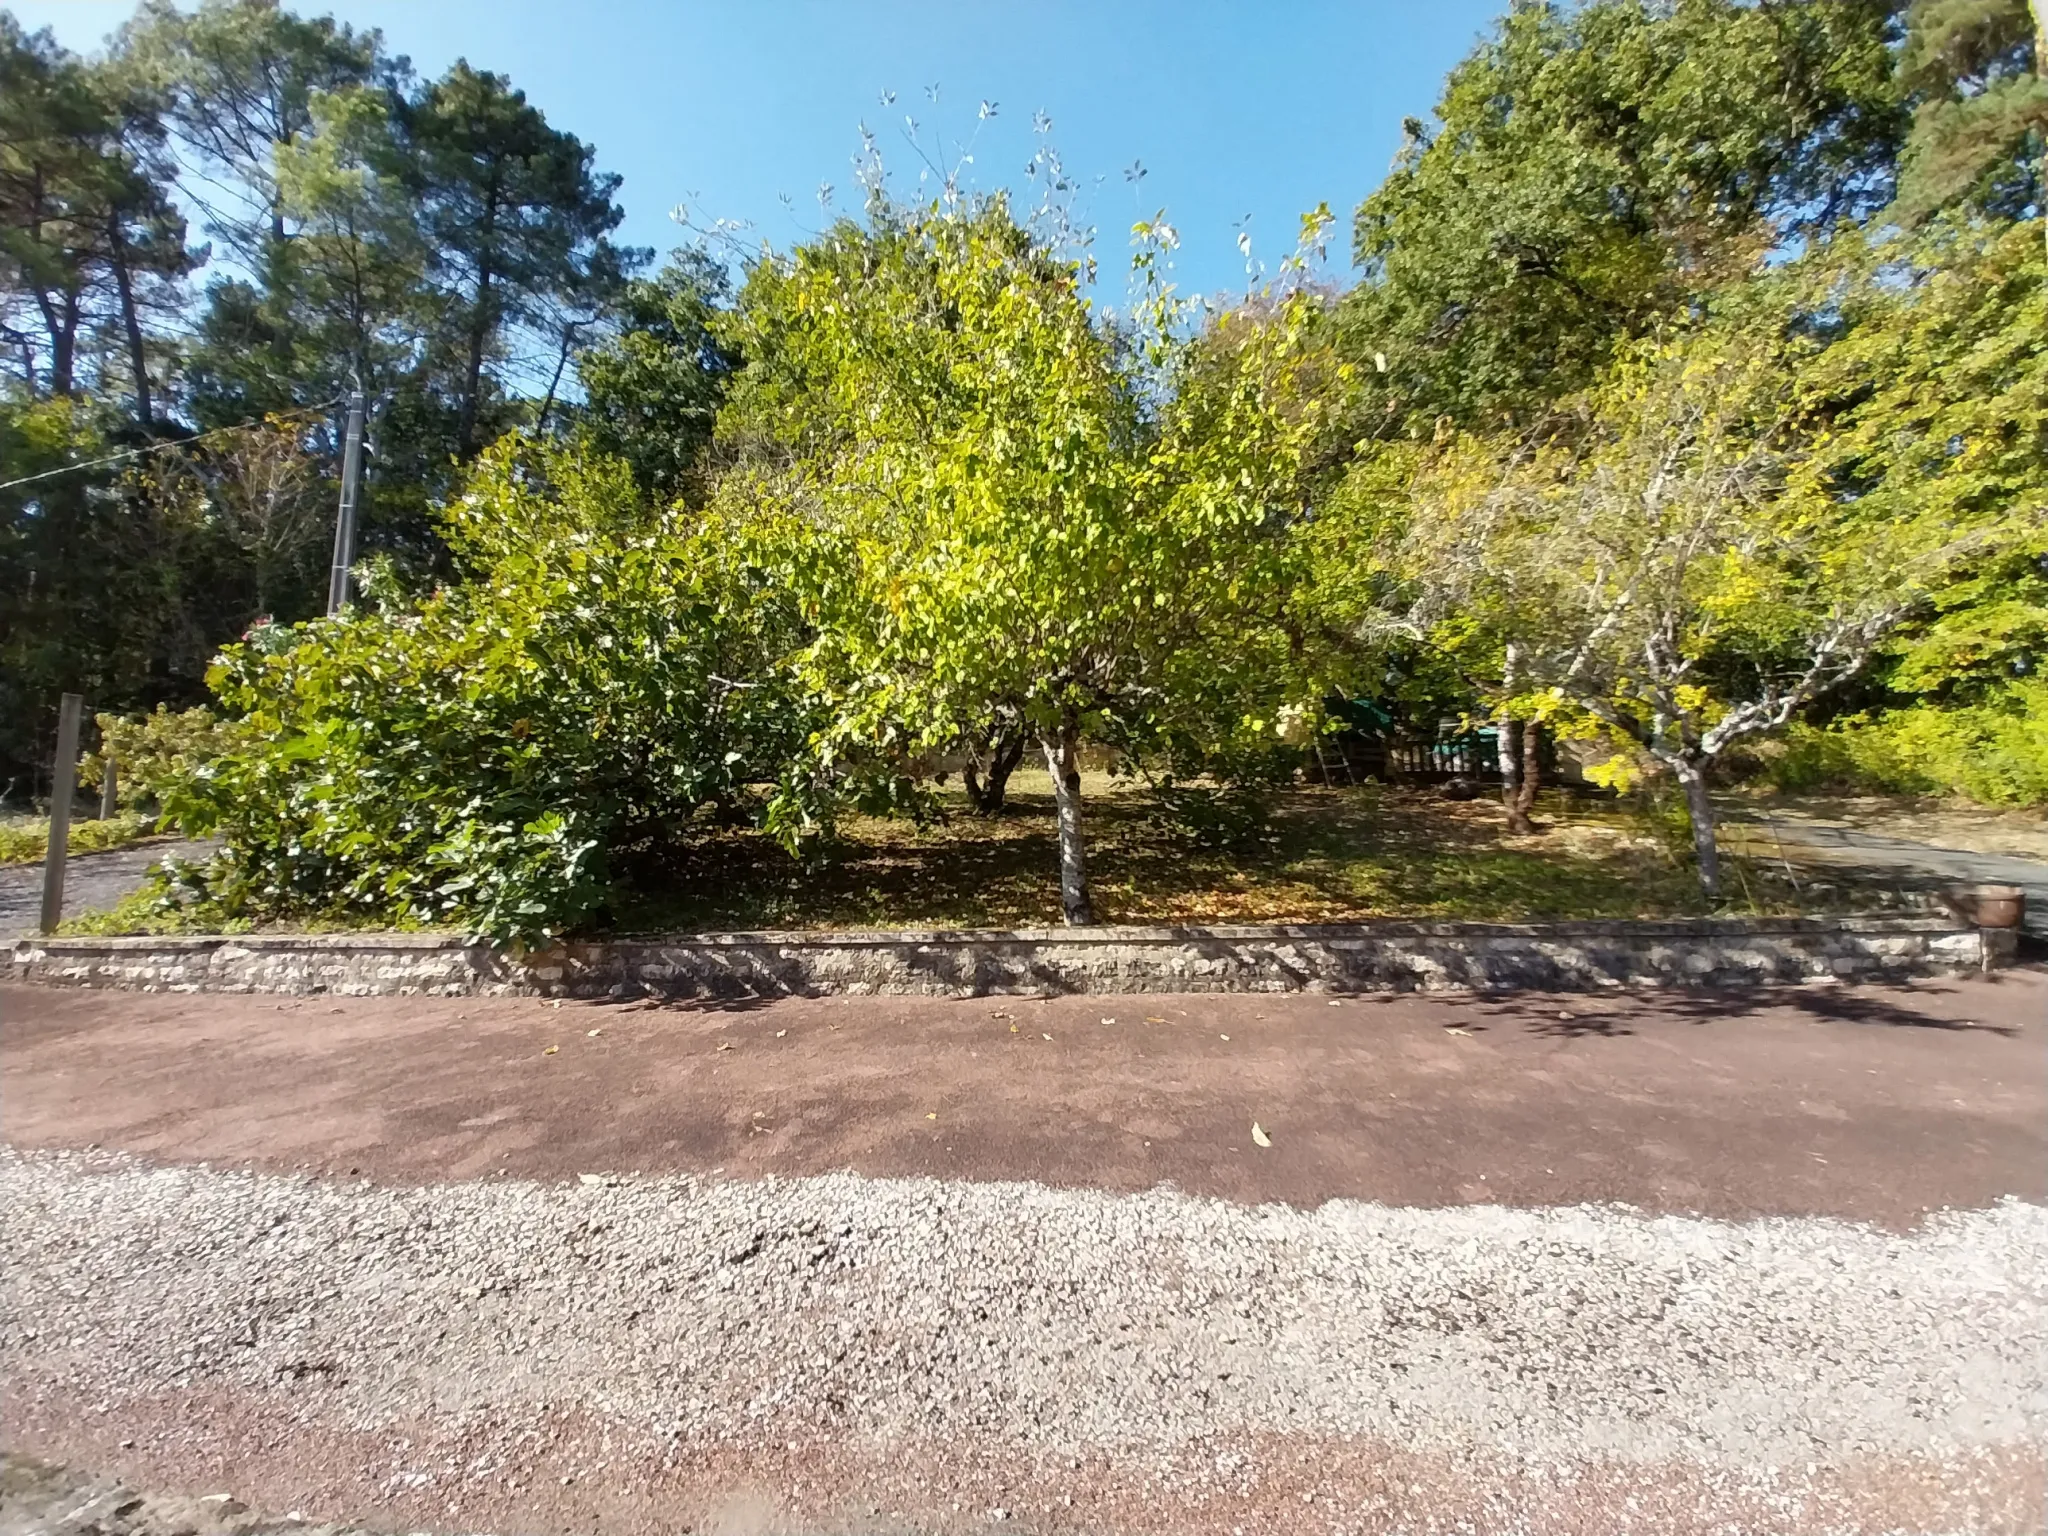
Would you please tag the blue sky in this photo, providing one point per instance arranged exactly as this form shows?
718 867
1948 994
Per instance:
1232 109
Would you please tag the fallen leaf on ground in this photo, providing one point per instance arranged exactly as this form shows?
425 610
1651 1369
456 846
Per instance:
1259 1137
594 1034
1453 1029
1048 1037
1336 1002
1109 1021
1013 1029
725 1045
1223 1037
1150 1019
931 1117
780 1033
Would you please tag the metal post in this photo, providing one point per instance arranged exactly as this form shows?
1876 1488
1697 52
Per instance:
63 785
345 518
110 798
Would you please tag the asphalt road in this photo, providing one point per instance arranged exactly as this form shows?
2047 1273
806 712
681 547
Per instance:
1810 842
1665 1261
1875 1103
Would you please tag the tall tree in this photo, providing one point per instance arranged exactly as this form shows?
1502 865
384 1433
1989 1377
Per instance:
90 240
996 510
241 76
653 383
357 262
516 214
1980 70
1745 515
1592 168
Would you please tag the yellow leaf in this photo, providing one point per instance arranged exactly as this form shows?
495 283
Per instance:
1259 1136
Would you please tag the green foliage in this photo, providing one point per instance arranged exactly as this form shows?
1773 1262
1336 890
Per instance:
484 761
652 387
1932 397
515 217
1001 510
1592 167
1744 515
1981 126
154 751
1995 752
26 840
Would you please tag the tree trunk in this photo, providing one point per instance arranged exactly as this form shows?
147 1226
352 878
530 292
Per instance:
60 321
1509 736
989 766
540 423
1701 811
1532 777
480 326
138 358
1062 764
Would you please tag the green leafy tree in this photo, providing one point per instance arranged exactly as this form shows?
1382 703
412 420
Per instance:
515 215
1980 70
1005 511
1744 516
1594 167
653 383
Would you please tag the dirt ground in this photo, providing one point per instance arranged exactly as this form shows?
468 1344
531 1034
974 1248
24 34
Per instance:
1875 1103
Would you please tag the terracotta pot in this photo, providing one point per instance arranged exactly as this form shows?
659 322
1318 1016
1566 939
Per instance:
1989 906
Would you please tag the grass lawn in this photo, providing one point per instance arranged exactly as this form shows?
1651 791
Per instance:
1328 855
26 839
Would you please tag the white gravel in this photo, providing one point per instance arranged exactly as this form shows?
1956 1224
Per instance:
1065 1319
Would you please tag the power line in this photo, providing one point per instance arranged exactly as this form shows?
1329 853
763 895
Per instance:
181 442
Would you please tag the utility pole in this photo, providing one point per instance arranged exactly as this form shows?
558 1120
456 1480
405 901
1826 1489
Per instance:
345 519
63 785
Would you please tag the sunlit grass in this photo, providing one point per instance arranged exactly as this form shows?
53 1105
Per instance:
26 839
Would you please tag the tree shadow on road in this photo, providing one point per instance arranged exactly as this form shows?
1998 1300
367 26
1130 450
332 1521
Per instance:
1611 1015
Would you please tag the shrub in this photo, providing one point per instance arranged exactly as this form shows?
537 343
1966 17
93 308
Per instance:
602 674
1995 752
153 750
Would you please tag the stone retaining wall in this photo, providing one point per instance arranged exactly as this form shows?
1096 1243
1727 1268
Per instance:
1340 957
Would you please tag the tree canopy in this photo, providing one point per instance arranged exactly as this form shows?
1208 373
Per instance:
1689 392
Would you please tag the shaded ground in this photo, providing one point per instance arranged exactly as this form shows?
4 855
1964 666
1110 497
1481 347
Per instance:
1325 855
1878 1103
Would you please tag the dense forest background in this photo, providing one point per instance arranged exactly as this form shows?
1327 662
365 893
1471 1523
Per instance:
212 231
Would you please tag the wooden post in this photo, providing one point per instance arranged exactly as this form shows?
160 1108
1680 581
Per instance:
63 785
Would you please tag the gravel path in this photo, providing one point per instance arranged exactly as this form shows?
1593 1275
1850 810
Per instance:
1073 1325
